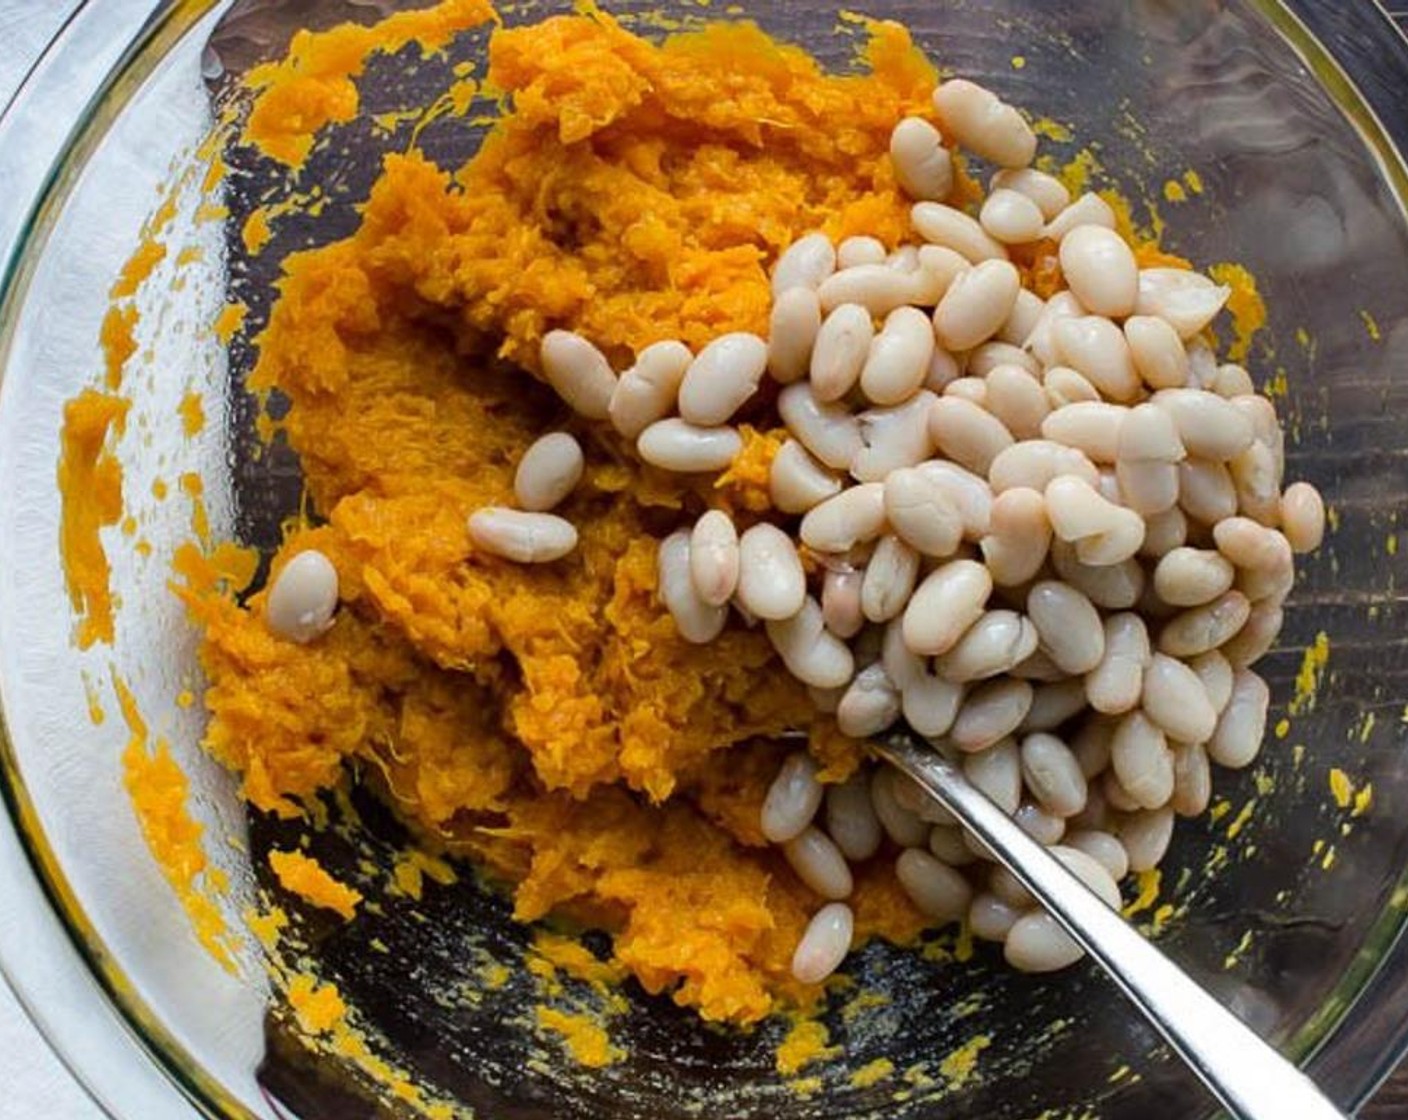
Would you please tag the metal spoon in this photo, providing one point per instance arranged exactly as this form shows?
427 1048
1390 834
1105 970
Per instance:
1247 1075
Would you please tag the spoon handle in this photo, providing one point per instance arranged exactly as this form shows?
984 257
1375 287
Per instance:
1252 1081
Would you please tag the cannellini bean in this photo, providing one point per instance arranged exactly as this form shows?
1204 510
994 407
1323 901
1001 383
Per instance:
1088 210
1011 217
818 862
1020 536
950 599
824 945
1116 684
840 601
1091 745
1257 635
647 391
1047 191
1053 774
1039 668
1174 698
1018 400
901 825
990 355
1100 268
1163 532
946 845
953 229
1148 487
889 579
937 890
930 704
976 304
1103 533
1145 836
905 259
1103 847
984 124
1209 426
722 377
969 435
1068 625
839 354
923 166
697 621
991 712
1097 814
714 558
968 492
852 517
973 389
676 445
1026 313
1096 348
944 369
994 644
1252 546
1187 300
810 652
860 250
898 359
1113 587
793 798
1091 872
921 512
1092 427
1303 517
877 289
797 482
1232 381
792 331
303 597
827 430
895 438
1008 887
1204 628
851 819
805 263
938 268
1215 673
528 538
1192 780
1257 480
1142 762
1053 704
1190 577
1034 463
1037 943
1206 491
1065 386
579 373
1041 343
1158 352
1202 366
771 584
997 771
1237 740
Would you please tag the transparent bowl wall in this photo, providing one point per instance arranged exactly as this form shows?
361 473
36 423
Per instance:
1302 184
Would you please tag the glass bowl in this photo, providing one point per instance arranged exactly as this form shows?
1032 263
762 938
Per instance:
1289 904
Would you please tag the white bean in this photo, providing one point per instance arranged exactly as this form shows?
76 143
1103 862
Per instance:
967 434
946 845
792 799
1037 943
1053 775
1100 268
528 538
938 268
805 263
944 369
1209 426
792 331
1041 343
1047 191
953 229
922 514
1206 491
976 304
1257 635
969 493
852 517
771 584
1175 699
840 351
1091 872
994 644
714 557
1187 300
1163 532
676 445
1204 628
889 579
1141 761
1091 745
984 124
1011 217
1104 534
697 621
859 250
930 703
827 430
1068 625
1032 464
1114 587
898 360
1053 704
1104 848
811 654
721 378
1145 836
818 862
1157 351
1192 780
870 705
1096 348
1216 674
1252 546
851 819
1065 386
950 599
647 391
1088 210
579 373
1091 426
1017 399
1115 685
1303 516
937 890
877 289
797 482
902 825
1017 545
1190 577
990 713
1237 740
840 601
824 945
990 918
973 389
923 166
895 438
303 597
997 771
1255 475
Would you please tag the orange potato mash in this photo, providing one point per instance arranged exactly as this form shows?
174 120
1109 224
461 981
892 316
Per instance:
548 722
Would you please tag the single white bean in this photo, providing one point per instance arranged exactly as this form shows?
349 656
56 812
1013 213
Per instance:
930 704
805 263
1041 343
647 391
852 517
1237 740
937 890
1065 386
1190 577
1032 464
923 166
721 378
1209 426
967 434
697 621
1053 703
997 771
1114 587
528 538
949 600
792 331
973 389
1018 400
851 819
1103 847
812 654
1092 427
1187 300
579 373
1068 625
970 494
824 945
922 514
840 601
1163 532
889 579
990 713
1096 348
792 799
899 357
303 597
860 250
1257 635
1011 217
901 825
1037 943
954 230
994 644
938 268
771 584
1303 516
1101 270
976 304
1158 352
1047 191
840 351
870 705
1091 745
1087 210
1192 780
827 430
1216 673
1053 774
1200 629
1174 698
1252 546
676 445
1257 479
797 482
1145 836
1017 545
895 438
1206 491
990 918
1104 534
1116 684
818 862
1141 761
984 124
944 369
714 558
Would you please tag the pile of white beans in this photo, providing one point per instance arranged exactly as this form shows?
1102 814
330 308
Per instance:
1051 536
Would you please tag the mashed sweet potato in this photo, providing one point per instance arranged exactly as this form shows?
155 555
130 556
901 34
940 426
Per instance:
548 721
